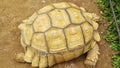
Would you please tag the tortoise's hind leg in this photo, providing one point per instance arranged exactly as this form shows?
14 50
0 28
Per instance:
92 56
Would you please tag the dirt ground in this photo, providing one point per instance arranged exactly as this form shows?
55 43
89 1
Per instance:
12 12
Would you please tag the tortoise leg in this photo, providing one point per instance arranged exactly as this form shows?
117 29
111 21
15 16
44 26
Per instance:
43 61
25 57
35 61
92 57
28 57
20 57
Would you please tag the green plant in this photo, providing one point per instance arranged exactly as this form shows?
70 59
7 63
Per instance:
112 33
115 46
116 61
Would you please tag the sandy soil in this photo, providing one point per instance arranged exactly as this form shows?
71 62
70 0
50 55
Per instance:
12 12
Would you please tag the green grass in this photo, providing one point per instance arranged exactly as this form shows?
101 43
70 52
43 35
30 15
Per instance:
116 61
112 34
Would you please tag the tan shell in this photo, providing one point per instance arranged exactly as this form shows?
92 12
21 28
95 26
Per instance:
60 28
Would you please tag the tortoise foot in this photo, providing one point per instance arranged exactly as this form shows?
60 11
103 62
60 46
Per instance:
92 57
19 57
90 63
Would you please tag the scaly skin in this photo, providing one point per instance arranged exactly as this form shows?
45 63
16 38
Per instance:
92 57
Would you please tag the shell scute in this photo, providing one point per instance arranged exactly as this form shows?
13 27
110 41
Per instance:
87 31
31 19
27 34
45 9
59 18
74 36
38 42
42 23
56 40
61 5
75 15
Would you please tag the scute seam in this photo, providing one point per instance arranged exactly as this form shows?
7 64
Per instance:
68 15
65 40
50 19
83 34
46 43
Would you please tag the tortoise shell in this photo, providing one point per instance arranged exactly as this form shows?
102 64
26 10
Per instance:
60 28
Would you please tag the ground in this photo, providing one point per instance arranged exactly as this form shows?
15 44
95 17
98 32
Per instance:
12 12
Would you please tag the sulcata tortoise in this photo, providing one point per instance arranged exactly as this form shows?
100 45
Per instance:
59 32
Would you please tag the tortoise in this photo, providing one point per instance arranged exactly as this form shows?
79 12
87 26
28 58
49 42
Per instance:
59 32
